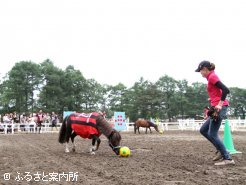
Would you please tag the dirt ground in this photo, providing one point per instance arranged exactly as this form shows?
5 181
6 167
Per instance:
175 157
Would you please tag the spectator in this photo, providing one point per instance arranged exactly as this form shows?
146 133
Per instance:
54 119
7 119
15 117
40 119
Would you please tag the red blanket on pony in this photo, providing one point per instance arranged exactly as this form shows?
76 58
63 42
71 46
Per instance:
84 124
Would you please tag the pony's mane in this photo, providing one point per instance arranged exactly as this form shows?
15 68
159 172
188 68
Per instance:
104 127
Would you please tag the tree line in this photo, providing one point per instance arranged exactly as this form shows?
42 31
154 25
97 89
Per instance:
29 86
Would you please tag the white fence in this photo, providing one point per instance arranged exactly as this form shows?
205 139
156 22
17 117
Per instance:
12 128
235 124
187 124
191 124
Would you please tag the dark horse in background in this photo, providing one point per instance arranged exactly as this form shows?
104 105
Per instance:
89 126
144 123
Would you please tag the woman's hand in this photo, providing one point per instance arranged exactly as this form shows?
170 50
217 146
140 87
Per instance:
219 106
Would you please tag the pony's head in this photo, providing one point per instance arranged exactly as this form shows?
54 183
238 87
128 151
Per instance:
114 141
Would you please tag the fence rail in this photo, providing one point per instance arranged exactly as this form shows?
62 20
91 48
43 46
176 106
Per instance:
191 124
187 124
12 128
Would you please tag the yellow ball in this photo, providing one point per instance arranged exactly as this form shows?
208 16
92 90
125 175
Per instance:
125 151
161 131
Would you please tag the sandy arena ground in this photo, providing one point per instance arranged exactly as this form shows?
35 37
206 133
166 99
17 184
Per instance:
175 157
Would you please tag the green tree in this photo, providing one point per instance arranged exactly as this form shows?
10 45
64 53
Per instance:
51 93
167 86
181 100
197 99
73 85
142 100
4 99
22 80
58 90
92 95
237 100
116 97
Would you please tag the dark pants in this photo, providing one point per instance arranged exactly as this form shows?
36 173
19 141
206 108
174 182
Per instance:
54 124
210 131
39 125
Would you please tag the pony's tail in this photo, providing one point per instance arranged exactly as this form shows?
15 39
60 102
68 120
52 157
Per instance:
62 133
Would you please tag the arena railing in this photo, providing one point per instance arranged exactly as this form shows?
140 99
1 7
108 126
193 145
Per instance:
12 128
185 124
192 124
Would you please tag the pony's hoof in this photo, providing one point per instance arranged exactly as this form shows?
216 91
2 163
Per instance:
73 149
92 149
93 153
67 151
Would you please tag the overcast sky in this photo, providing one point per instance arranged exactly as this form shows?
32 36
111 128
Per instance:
122 40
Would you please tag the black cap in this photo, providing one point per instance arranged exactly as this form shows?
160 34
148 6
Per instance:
202 65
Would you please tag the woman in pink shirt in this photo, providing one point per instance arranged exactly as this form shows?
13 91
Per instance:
217 93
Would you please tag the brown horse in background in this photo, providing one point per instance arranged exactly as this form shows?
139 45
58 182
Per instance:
144 123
